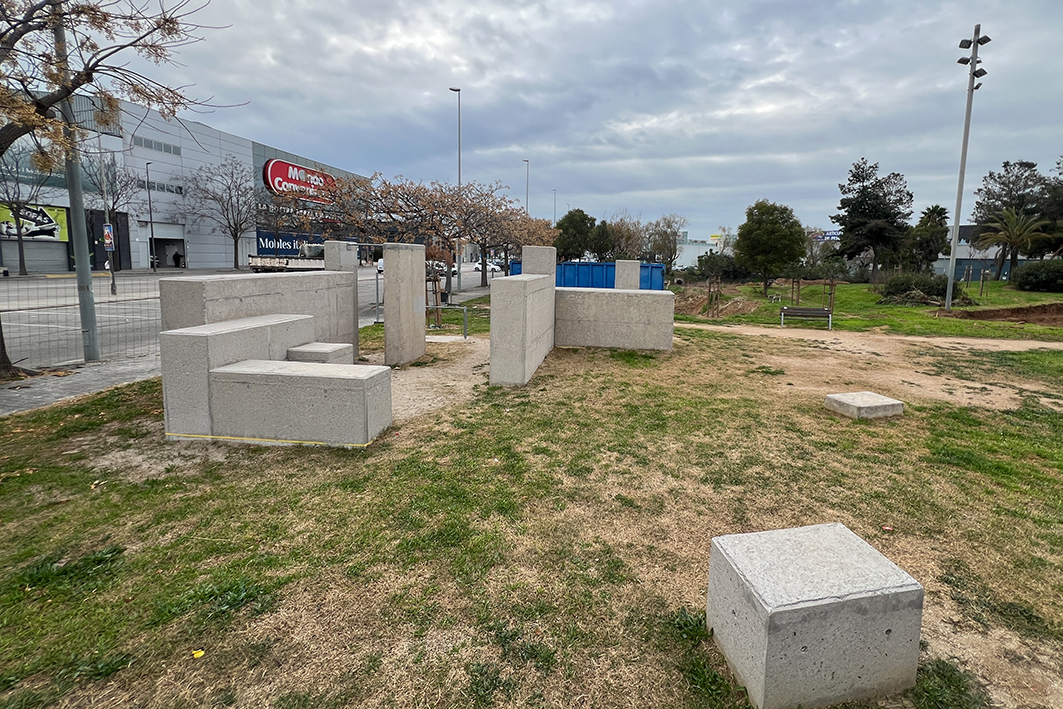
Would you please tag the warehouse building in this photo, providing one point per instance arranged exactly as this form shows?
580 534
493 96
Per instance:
164 155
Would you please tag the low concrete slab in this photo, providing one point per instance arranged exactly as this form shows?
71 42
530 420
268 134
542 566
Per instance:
279 402
813 616
864 405
324 352
188 354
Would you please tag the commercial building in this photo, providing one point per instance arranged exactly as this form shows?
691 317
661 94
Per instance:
164 155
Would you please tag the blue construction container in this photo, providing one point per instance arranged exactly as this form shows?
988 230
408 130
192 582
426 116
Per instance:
591 274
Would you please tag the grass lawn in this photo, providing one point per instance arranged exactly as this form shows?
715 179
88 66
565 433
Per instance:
856 309
540 546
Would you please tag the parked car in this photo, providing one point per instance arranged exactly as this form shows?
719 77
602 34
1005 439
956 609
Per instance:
380 266
490 267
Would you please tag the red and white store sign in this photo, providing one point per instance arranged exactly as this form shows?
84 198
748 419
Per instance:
281 176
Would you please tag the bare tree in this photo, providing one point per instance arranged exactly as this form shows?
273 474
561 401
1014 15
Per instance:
102 35
114 188
223 196
23 173
664 235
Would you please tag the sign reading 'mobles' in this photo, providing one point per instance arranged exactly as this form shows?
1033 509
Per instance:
281 176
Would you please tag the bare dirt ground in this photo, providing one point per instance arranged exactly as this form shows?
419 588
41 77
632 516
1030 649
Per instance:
895 365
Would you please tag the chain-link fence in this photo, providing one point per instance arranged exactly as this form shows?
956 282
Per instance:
42 323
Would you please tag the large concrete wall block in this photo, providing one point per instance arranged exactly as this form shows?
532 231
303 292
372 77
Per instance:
539 260
522 327
300 402
813 616
199 300
627 275
185 391
624 319
341 256
404 303
181 302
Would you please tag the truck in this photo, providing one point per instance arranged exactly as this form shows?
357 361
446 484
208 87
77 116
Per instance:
311 258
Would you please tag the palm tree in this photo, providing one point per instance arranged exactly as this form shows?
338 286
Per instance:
1013 233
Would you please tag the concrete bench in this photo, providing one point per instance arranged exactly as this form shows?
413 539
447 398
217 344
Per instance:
324 352
812 616
267 401
806 314
188 354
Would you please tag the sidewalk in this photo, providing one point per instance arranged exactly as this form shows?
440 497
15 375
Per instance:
88 378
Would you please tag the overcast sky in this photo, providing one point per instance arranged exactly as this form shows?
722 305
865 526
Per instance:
653 106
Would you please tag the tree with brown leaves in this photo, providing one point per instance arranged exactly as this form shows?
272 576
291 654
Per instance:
101 36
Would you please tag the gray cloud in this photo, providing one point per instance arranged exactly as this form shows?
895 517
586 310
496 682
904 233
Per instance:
691 106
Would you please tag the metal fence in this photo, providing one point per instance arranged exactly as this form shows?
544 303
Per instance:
42 324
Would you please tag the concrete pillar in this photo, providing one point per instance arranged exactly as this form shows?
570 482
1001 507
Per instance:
539 260
341 256
627 275
522 326
404 303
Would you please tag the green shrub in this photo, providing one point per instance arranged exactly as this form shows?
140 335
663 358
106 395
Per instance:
1043 276
928 284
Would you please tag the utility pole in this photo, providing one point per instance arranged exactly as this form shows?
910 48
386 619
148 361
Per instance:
974 72
78 233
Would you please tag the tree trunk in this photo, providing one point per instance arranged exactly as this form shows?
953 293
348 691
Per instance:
1014 261
236 253
767 280
1001 257
483 268
21 255
7 370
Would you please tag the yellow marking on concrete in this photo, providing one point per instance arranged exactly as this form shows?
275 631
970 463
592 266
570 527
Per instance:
266 440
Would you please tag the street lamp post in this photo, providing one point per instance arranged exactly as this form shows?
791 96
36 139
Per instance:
555 206
457 246
974 72
151 218
527 184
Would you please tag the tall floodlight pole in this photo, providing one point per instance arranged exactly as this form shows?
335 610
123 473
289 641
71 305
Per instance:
457 246
90 340
151 219
974 72
555 206
527 184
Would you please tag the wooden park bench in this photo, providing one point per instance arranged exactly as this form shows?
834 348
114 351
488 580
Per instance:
806 314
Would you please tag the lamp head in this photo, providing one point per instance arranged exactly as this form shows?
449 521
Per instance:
979 73
963 60
455 90
984 39
965 44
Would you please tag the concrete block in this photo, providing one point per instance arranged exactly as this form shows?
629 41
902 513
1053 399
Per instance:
627 275
404 303
300 402
188 354
323 352
864 405
341 256
538 260
813 616
330 296
522 326
625 319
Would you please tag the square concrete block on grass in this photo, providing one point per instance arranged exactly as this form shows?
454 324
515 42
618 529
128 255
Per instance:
864 405
813 616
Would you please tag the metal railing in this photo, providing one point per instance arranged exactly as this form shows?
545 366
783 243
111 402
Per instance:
42 325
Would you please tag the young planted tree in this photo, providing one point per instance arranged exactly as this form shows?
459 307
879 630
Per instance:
23 173
223 197
114 188
769 241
